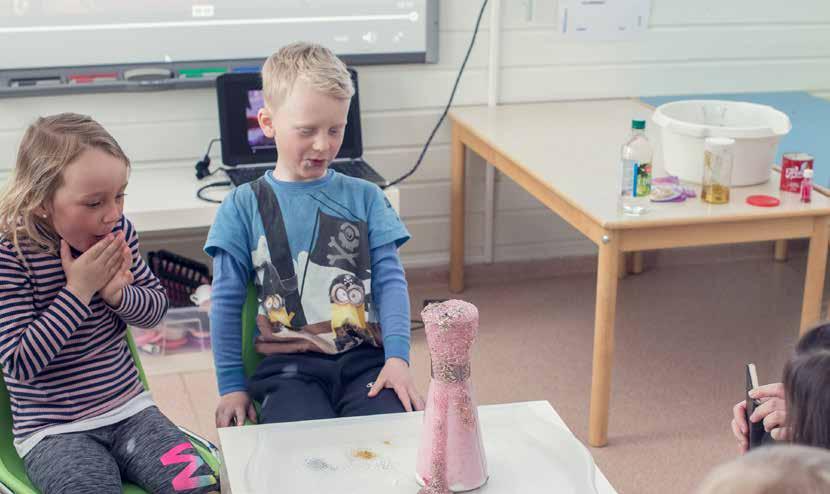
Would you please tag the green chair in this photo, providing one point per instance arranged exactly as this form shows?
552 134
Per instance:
13 478
250 357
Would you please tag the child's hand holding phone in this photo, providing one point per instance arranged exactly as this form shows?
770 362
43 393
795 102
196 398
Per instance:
756 429
773 410
772 413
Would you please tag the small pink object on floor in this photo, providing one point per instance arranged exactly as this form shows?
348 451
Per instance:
451 456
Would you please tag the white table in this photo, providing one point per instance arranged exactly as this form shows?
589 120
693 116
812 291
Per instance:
161 199
527 447
567 154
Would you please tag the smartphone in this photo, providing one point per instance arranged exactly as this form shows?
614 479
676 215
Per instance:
756 430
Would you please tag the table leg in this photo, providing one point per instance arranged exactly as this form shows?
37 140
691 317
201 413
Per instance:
636 262
814 279
606 305
781 250
623 265
457 214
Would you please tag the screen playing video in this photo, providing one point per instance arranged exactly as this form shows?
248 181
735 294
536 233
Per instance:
104 32
243 141
256 138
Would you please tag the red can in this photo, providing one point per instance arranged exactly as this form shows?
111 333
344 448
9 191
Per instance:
792 170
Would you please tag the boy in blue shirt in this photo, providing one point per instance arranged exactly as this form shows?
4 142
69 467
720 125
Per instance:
321 248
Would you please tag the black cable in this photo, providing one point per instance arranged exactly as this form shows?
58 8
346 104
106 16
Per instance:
209 186
203 166
210 144
449 103
416 324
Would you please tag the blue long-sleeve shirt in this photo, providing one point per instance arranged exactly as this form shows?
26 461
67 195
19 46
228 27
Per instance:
340 232
230 279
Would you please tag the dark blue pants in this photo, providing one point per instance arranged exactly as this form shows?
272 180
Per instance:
312 385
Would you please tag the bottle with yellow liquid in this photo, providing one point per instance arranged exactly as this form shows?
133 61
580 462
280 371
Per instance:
717 169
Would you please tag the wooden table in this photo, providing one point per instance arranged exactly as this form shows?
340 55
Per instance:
528 447
567 155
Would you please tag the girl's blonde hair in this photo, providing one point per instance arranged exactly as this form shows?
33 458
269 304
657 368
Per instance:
314 64
777 469
48 146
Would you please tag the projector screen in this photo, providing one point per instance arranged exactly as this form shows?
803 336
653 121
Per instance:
78 33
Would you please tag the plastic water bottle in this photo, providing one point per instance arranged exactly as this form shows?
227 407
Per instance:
635 181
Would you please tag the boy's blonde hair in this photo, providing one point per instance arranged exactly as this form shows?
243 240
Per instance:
777 469
314 64
48 146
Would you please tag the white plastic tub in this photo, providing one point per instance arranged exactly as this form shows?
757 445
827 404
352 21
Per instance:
686 124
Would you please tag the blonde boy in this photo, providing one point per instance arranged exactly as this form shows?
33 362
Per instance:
321 249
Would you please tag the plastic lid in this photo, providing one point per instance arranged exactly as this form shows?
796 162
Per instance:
763 201
638 124
715 143
808 173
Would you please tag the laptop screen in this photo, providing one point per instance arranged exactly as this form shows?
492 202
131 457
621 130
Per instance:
243 142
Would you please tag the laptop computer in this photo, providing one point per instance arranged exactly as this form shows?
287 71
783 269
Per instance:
247 154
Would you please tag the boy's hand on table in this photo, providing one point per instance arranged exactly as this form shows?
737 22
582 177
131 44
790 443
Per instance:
233 408
396 376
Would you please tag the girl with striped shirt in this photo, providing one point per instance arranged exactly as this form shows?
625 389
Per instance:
71 279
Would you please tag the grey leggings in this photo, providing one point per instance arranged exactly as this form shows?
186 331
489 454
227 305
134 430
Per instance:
145 449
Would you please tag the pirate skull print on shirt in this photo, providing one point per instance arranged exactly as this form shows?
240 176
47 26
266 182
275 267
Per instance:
333 282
